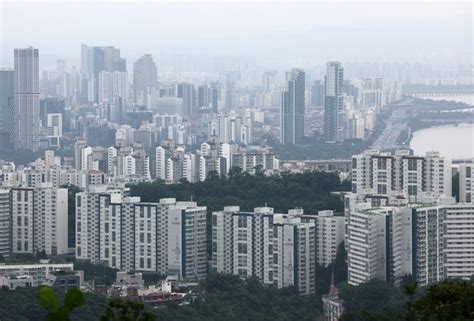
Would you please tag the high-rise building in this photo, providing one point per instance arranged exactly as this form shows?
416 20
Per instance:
334 103
97 59
203 96
7 110
317 94
458 241
292 108
113 85
39 220
144 75
26 99
168 237
5 221
278 249
186 92
401 173
374 244
466 183
330 231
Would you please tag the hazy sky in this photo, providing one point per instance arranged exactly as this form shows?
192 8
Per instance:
270 31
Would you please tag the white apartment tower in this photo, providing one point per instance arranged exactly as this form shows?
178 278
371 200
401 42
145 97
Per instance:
375 173
278 249
375 244
168 237
4 223
330 231
39 220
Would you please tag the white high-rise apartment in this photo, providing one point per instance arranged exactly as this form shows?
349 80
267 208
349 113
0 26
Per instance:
26 99
168 237
459 241
330 231
22 200
403 174
375 244
39 220
466 183
187 254
4 223
278 249
425 243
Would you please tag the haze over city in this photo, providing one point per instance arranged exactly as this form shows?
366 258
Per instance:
277 34
236 160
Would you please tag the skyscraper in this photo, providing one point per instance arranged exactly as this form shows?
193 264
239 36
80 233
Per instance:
97 59
187 92
144 75
333 103
317 94
6 107
292 108
26 99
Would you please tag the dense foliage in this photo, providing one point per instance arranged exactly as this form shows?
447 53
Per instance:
22 305
311 191
228 298
374 300
449 300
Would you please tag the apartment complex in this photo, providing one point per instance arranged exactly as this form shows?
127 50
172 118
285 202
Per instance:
411 176
122 232
39 220
278 249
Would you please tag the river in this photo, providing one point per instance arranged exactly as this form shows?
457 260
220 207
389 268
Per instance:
456 142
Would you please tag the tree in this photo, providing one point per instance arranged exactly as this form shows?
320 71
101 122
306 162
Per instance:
449 300
48 299
126 310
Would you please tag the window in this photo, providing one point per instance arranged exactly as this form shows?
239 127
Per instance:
381 189
354 187
242 221
412 190
242 248
412 164
354 162
468 172
18 220
382 163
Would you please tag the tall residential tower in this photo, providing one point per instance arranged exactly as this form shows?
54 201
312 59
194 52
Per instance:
334 103
26 99
293 108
